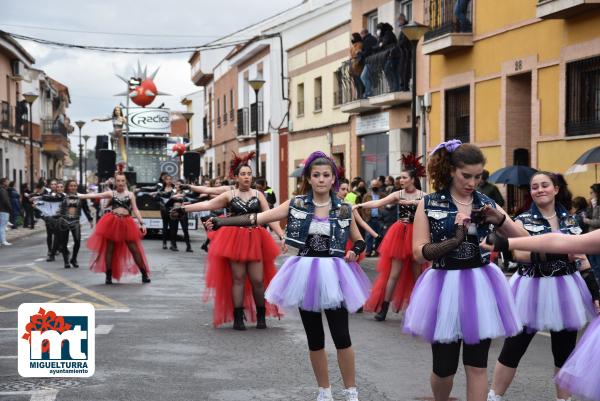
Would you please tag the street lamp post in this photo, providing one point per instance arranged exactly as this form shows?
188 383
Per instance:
30 98
85 153
80 124
256 84
414 31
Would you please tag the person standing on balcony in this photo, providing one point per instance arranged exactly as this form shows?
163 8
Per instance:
405 50
369 46
388 43
460 12
357 63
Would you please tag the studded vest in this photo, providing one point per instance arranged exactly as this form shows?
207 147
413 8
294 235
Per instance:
300 216
441 214
536 224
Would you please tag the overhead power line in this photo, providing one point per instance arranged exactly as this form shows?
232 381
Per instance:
164 35
132 50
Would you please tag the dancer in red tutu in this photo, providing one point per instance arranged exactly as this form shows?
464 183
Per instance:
397 268
116 243
241 261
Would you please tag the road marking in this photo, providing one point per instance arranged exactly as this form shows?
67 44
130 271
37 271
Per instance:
39 260
8 357
32 290
8 328
104 328
543 333
48 395
83 290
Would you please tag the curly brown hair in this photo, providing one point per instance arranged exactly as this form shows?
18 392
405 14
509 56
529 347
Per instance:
442 162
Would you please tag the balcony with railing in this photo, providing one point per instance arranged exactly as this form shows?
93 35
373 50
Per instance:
246 121
389 75
352 91
55 140
564 9
451 27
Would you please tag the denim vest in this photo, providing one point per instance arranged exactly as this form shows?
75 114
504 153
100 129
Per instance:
536 224
441 213
300 214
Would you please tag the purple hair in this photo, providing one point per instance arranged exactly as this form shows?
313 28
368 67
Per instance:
318 155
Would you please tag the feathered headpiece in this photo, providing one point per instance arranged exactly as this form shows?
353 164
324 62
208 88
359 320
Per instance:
120 168
412 162
239 161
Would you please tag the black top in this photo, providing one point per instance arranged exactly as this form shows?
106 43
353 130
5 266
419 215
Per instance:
68 203
118 202
239 206
317 245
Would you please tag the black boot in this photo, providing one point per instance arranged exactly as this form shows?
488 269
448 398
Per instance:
74 263
145 278
50 258
66 260
174 247
238 319
164 244
189 248
380 317
108 277
260 317
204 246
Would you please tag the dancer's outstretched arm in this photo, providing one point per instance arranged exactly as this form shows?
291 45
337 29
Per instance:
101 195
392 198
202 189
219 202
264 205
550 243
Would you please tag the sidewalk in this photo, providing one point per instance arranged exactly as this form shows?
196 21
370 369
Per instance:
13 235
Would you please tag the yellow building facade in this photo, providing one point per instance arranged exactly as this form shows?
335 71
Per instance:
524 85
316 121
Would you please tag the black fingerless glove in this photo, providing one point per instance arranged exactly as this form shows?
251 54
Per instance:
243 220
359 247
592 285
378 242
177 213
434 251
499 242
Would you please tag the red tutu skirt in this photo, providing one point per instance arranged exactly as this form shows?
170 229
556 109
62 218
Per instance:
120 230
397 244
238 244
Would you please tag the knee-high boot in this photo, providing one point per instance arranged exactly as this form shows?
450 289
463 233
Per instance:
238 319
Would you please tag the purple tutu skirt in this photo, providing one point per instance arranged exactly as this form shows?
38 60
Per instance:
552 303
469 305
581 373
314 284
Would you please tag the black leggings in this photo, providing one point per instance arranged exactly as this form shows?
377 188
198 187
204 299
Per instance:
184 226
563 343
337 319
51 242
445 356
164 215
63 240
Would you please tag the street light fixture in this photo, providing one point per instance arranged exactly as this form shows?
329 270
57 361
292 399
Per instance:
30 98
85 155
80 124
256 84
188 116
414 31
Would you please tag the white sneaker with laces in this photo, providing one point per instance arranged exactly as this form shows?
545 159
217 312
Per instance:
493 396
351 394
324 394
6 243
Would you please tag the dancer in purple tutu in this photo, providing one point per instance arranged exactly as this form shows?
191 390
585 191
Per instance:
323 277
580 374
550 292
462 297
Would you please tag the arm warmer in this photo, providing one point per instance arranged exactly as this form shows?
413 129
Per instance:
359 247
433 251
243 220
592 284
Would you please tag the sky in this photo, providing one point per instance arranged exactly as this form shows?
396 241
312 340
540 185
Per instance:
90 76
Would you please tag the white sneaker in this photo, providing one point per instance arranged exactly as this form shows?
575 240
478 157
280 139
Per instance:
325 394
6 243
493 396
350 394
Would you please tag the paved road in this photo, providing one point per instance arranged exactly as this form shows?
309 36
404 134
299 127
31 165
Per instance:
158 342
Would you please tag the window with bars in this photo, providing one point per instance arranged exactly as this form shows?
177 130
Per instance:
457 114
583 97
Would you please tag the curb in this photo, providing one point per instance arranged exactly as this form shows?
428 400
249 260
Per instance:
12 235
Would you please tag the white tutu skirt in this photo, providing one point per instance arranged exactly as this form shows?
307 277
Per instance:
314 284
468 304
581 373
552 303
